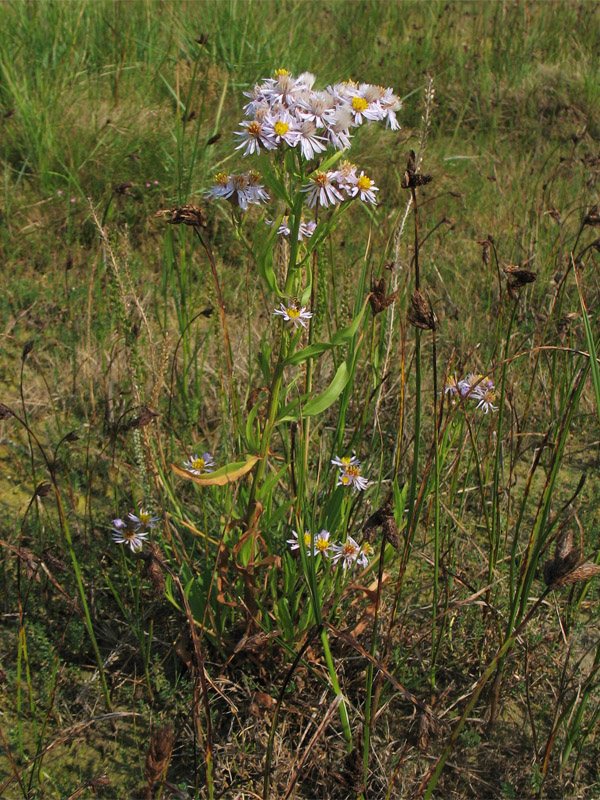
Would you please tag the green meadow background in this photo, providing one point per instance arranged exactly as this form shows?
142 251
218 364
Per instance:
120 109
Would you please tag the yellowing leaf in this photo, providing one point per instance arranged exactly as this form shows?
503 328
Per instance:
227 474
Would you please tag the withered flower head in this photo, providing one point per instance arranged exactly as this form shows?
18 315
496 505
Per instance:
378 300
422 315
486 247
411 178
184 215
159 753
517 278
566 567
124 188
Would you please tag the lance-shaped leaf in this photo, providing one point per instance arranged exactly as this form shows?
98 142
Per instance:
317 405
227 474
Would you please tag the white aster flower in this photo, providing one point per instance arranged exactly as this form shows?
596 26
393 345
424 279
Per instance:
306 229
310 142
295 544
321 190
352 477
322 544
123 534
255 135
345 462
339 130
486 399
346 177
199 464
365 189
350 470
316 107
222 188
294 314
143 520
349 552
366 551
282 128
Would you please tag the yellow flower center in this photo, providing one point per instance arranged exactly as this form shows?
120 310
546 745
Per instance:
280 72
346 461
307 538
321 178
349 549
367 549
222 178
145 517
254 129
198 463
321 544
293 313
281 128
353 471
359 104
364 183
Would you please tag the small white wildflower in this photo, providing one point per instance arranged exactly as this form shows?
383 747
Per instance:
310 142
321 191
255 135
199 464
350 470
349 552
297 316
123 534
365 188
486 399
345 462
144 519
294 542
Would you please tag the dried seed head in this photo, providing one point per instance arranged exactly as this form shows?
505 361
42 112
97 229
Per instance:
411 178
421 314
152 568
43 490
378 300
583 572
124 188
184 215
558 571
486 245
384 517
159 753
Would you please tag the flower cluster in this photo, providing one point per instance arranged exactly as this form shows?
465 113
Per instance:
242 190
349 475
199 464
131 531
349 552
335 186
480 388
287 110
